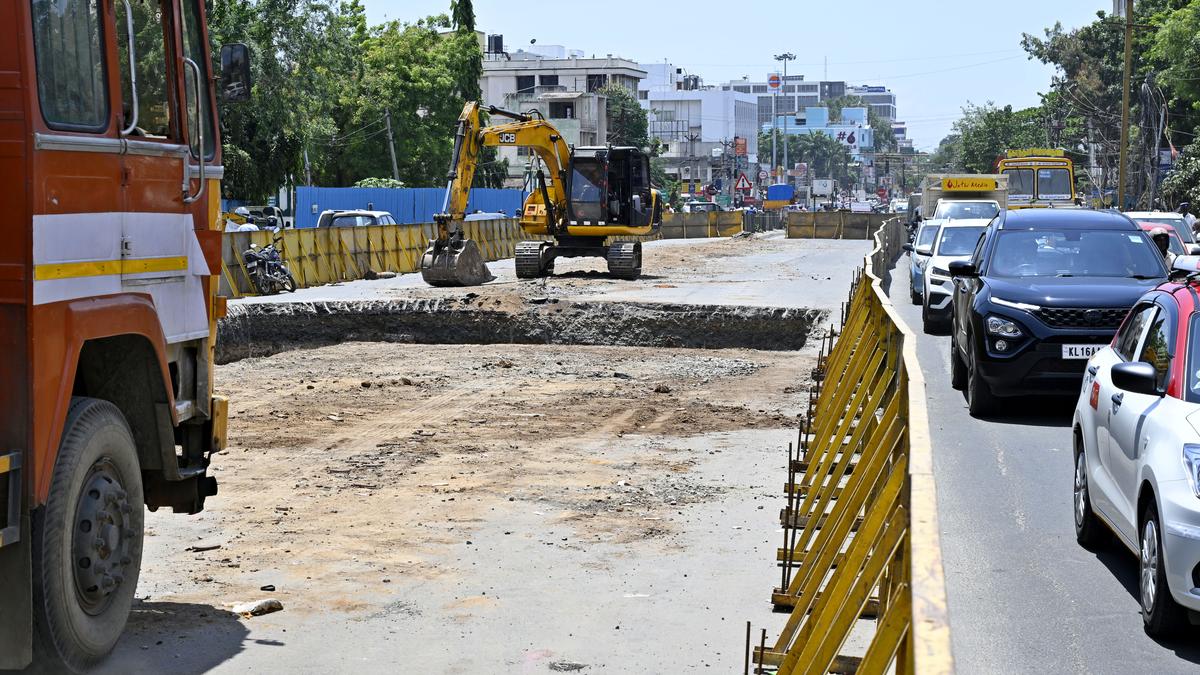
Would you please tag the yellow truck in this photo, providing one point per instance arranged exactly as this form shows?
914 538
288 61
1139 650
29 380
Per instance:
1038 178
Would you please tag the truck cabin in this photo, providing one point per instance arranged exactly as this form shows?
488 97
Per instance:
610 185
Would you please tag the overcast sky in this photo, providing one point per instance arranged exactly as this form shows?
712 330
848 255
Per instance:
936 55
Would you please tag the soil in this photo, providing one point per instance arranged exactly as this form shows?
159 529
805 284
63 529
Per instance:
352 464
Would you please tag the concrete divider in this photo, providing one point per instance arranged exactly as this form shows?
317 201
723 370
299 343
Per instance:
861 535
833 224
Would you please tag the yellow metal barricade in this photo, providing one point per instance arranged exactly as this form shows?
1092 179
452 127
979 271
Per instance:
860 526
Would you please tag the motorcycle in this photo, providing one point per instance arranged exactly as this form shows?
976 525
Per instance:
266 269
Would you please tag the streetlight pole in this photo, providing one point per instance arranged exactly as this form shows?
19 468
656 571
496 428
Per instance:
785 57
1123 155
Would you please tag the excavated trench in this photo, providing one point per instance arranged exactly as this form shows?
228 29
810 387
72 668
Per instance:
265 329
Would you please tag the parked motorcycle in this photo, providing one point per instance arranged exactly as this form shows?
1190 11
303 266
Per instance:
266 269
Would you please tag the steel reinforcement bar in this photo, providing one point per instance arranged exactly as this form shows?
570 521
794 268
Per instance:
861 554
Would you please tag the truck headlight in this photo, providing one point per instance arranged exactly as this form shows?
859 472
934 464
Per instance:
1191 464
1003 327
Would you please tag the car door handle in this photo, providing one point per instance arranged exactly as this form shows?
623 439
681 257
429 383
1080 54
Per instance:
1117 399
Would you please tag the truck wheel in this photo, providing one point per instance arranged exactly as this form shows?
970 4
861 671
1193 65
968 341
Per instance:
87 539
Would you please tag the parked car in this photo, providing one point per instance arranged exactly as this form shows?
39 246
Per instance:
354 218
920 250
1175 220
1044 290
485 215
701 207
956 240
1137 448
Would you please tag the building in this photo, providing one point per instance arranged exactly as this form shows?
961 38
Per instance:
852 130
558 82
697 126
797 94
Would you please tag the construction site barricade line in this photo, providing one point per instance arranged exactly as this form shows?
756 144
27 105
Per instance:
833 224
861 525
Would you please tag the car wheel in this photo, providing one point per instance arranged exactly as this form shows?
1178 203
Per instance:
1089 531
926 320
1161 615
980 400
958 369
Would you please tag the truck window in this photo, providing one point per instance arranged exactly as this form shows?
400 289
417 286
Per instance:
194 49
69 48
1020 182
1054 184
153 88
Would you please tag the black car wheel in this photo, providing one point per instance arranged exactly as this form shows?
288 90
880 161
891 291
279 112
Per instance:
958 369
980 400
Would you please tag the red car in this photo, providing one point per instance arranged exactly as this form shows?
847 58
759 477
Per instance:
1176 246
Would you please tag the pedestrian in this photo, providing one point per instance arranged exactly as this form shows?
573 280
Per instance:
1186 210
1162 239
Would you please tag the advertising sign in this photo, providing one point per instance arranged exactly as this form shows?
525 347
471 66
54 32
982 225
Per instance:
774 82
968 184
822 187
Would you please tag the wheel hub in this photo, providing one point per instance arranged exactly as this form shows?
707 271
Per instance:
1080 490
1149 565
101 537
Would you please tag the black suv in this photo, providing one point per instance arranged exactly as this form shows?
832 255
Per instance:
1044 290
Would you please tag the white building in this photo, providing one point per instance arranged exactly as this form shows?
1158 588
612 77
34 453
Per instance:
697 125
798 94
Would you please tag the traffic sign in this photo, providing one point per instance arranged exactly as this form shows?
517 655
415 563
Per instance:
743 183
763 175
774 82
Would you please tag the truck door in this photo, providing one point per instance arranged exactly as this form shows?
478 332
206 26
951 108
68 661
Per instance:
160 253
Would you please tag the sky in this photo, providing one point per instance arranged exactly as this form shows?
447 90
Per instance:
936 55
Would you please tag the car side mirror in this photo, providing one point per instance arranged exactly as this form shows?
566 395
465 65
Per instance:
907 247
1138 377
235 73
924 251
963 268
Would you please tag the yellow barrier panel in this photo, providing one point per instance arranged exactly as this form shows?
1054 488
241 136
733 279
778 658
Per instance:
318 256
860 525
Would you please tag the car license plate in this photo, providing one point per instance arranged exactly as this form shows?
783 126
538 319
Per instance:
1080 351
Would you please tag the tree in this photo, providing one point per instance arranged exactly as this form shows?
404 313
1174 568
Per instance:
881 129
628 121
986 131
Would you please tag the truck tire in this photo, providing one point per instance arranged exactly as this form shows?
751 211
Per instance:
87 539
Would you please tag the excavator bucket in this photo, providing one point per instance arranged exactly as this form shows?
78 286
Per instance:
456 262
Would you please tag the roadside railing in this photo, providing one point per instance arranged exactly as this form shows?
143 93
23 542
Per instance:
860 524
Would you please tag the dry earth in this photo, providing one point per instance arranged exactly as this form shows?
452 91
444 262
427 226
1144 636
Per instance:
355 465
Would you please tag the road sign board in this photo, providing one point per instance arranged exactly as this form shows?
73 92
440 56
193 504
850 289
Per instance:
743 183
774 82
763 175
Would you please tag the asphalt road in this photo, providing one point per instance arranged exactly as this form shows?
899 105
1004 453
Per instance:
1024 597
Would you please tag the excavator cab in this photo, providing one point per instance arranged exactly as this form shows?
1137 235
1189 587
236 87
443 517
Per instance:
611 186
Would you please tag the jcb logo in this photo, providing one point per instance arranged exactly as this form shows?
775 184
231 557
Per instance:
508 138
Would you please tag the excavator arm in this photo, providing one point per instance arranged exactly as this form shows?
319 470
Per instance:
451 259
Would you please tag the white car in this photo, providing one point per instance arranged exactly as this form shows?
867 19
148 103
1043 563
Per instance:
1137 449
1170 218
956 240
921 248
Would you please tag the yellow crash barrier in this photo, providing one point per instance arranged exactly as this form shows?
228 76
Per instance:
861 538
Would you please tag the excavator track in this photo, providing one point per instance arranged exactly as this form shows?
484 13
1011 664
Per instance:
625 260
530 260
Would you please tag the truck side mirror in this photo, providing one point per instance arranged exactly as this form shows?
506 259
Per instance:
235 73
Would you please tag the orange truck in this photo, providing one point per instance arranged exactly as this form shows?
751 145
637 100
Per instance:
110 162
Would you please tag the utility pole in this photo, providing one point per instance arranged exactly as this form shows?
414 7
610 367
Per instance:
1123 155
785 57
387 115
307 168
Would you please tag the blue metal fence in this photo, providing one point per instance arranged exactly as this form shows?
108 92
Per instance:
408 205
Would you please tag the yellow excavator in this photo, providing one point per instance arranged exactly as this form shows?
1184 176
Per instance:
580 198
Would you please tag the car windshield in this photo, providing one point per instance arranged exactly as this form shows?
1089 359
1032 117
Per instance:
1054 184
1020 182
1178 224
958 240
1076 253
960 210
926 236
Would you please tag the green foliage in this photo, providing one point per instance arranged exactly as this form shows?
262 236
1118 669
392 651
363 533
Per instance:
628 121
323 82
1183 183
986 131
379 183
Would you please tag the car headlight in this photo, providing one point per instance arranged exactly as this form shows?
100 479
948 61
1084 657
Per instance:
939 271
1191 463
1003 327
1015 305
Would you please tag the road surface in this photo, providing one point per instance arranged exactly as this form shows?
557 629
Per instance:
1024 597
